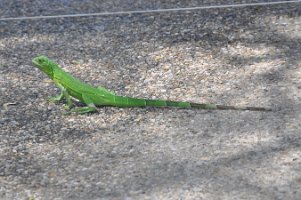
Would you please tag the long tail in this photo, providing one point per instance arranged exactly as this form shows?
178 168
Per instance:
122 101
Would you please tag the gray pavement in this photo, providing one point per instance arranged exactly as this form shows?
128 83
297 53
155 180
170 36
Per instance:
246 56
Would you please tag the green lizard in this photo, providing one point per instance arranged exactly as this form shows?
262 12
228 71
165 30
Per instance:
91 96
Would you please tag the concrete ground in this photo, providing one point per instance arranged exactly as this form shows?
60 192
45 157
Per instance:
242 56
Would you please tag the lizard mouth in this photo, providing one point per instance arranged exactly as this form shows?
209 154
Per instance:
37 61
44 64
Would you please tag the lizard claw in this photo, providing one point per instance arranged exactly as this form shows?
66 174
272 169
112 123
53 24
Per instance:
67 107
67 113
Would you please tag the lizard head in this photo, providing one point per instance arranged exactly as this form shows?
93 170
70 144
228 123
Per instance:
44 64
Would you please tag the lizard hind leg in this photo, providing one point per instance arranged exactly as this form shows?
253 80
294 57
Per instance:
89 108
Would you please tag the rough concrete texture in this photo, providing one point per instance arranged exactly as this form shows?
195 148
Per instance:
243 56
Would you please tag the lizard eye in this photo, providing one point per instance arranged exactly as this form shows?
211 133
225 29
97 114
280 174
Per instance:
40 60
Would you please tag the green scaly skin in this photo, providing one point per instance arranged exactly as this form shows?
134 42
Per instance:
92 96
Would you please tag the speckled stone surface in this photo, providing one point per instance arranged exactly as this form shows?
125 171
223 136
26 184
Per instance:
246 56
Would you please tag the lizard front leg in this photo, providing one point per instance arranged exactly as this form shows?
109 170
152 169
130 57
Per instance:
64 93
56 98
89 108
